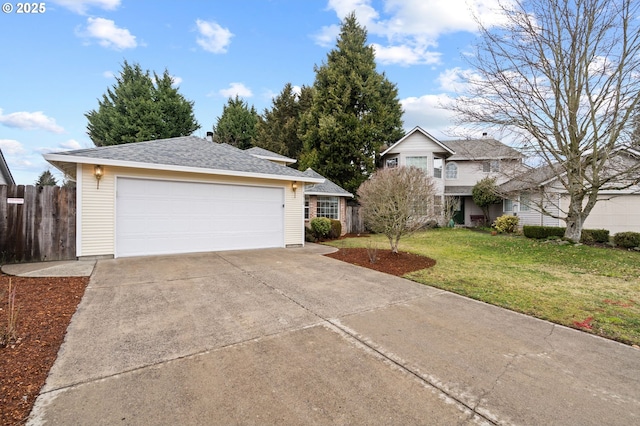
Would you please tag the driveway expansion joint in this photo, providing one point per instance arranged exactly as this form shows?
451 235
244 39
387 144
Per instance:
434 384
343 329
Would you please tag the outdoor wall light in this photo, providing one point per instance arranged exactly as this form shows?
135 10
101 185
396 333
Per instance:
98 172
294 187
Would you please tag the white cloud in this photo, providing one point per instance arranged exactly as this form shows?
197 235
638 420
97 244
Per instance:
176 80
108 74
427 112
11 147
70 144
327 36
405 55
108 34
213 38
81 6
412 27
297 90
30 121
236 89
455 80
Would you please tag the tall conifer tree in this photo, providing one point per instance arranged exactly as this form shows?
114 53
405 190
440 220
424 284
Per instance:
138 108
238 124
355 110
278 129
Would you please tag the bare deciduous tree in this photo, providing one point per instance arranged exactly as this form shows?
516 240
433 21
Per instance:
397 201
564 76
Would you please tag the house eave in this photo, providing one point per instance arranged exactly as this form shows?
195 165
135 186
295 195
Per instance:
59 159
330 194
286 160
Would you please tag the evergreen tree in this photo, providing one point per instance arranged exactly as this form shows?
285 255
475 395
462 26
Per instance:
140 108
484 194
238 124
278 129
355 111
46 178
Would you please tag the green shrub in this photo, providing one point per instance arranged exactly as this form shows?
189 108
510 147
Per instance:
309 236
590 236
336 229
321 226
506 224
542 232
627 239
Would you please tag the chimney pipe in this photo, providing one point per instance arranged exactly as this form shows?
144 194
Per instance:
209 136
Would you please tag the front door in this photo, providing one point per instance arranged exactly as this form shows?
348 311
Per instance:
458 211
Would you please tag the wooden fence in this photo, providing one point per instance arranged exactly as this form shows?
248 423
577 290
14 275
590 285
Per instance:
354 220
37 223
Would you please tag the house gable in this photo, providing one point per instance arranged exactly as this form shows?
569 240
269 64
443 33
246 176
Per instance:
5 174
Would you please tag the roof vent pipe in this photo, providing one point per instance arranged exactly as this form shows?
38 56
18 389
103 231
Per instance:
209 136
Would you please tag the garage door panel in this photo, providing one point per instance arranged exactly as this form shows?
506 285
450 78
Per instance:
162 217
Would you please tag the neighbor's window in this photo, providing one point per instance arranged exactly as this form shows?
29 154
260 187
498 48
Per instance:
419 162
491 166
327 207
525 203
451 171
508 205
392 162
437 167
306 207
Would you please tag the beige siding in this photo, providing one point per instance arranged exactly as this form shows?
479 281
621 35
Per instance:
294 215
416 142
98 214
615 213
97 222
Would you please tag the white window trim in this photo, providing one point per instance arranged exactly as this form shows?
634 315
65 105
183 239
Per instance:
320 198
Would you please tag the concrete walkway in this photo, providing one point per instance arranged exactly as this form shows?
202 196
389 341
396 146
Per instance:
289 337
62 268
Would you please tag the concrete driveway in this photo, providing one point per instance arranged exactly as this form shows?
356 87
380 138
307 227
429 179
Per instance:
285 336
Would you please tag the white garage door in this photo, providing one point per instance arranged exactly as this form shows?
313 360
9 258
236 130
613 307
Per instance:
163 217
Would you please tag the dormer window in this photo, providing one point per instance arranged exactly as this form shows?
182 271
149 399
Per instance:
392 162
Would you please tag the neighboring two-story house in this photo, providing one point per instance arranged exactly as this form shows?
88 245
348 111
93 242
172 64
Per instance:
456 166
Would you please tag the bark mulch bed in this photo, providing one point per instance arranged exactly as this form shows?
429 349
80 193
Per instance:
395 264
45 307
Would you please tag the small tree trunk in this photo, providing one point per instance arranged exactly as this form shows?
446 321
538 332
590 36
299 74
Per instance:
393 242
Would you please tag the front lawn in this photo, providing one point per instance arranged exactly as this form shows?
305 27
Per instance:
593 289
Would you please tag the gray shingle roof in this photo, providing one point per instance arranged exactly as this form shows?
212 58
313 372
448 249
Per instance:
531 179
186 151
327 187
481 149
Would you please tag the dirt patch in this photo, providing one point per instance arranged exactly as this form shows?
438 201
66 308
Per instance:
395 264
45 309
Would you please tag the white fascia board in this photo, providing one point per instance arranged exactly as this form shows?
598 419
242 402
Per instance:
168 167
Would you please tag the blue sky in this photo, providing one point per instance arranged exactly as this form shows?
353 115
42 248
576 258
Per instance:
55 65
